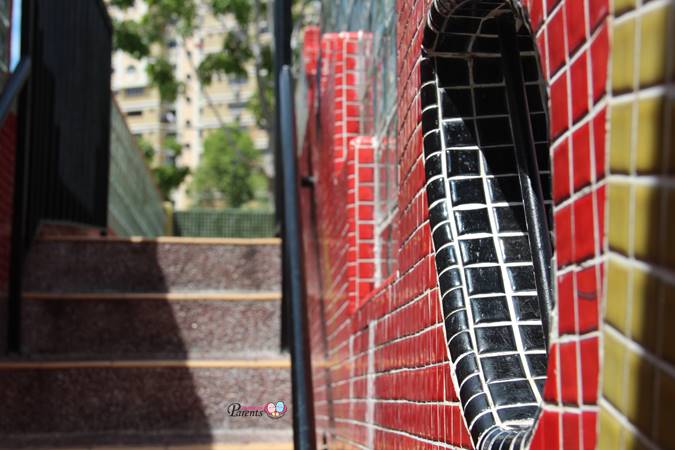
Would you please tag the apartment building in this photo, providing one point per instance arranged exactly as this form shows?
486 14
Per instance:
200 109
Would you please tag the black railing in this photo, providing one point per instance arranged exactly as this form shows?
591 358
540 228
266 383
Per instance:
13 88
294 313
63 148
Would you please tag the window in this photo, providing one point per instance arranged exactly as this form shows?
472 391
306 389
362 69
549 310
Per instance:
135 113
134 92
131 69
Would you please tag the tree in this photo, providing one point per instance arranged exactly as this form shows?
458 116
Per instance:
229 173
168 173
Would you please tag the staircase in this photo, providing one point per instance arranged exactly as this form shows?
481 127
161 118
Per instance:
145 343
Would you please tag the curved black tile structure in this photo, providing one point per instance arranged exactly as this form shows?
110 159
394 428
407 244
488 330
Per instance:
496 340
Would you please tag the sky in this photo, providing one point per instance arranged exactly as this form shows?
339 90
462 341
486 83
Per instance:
15 50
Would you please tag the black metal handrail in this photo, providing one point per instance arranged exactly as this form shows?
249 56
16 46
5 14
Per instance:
528 172
13 87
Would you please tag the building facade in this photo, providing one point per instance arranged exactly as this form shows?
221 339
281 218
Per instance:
199 109
425 275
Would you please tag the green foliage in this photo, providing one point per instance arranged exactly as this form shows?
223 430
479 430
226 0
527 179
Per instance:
240 9
161 73
229 173
167 173
130 38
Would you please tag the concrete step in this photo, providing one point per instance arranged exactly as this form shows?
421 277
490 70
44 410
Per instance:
151 325
88 403
168 264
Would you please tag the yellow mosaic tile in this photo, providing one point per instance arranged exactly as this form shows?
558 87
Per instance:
649 156
644 309
648 210
619 216
612 371
668 257
665 431
620 137
668 332
623 61
622 5
639 387
609 436
653 47
617 294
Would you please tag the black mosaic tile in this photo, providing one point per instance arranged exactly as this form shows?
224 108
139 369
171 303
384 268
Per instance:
534 103
455 323
472 221
490 101
480 250
433 165
502 367
489 309
428 95
430 120
462 24
471 387
500 160
451 42
517 413
459 133
445 258
526 307
437 19
540 385
476 406
487 70
495 339
546 187
522 278
489 26
530 68
462 162
436 190
494 131
466 366
456 103
537 364
432 143
483 44
505 189
452 72
442 235
464 192
438 213
511 392
449 279
427 67
510 218
543 157
481 424
515 249
532 337
525 44
539 127
484 280
452 301
429 38
459 345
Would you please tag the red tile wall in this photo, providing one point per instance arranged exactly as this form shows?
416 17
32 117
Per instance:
380 364
7 155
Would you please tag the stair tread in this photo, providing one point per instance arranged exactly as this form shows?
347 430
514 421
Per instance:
224 295
163 240
282 362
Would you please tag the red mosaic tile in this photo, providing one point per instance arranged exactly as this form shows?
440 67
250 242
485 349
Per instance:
599 139
581 159
551 393
576 25
587 299
556 40
571 423
599 61
563 228
559 118
561 171
579 84
584 237
589 423
566 313
590 363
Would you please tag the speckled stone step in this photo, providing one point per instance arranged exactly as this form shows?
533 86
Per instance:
87 403
168 264
154 325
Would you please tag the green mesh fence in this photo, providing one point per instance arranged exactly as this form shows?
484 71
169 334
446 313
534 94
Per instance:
224 223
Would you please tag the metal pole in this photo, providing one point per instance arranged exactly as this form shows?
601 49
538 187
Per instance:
301 372
528 172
